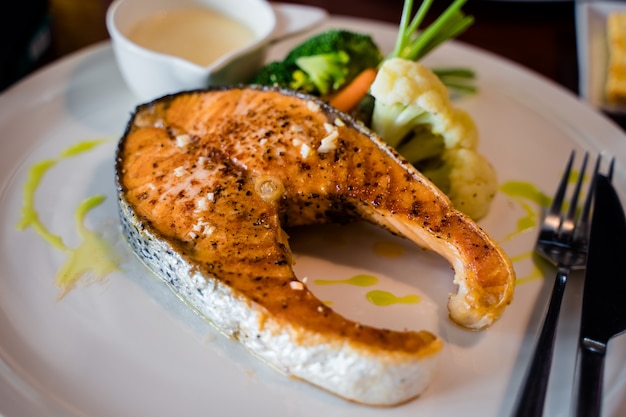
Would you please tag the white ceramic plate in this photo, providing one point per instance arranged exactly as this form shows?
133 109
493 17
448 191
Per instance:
127 347
593 53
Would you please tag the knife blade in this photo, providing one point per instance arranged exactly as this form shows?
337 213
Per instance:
604 309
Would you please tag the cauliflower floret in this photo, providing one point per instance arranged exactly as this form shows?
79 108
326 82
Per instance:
468 178
407 95
413 113
462 132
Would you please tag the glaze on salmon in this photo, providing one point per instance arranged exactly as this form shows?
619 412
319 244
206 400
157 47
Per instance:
209 180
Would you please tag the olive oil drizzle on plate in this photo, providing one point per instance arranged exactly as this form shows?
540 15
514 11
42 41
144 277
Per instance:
532 201
377 297
93 256
524 193
385 298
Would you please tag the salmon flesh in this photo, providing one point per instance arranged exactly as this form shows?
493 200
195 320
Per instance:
208 182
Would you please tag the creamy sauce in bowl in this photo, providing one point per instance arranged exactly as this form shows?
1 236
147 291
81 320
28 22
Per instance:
199 35
191 44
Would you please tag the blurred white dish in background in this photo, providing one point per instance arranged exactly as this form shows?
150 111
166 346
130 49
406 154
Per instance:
151 74
593 51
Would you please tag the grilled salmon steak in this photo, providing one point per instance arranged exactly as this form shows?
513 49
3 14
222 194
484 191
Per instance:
208 181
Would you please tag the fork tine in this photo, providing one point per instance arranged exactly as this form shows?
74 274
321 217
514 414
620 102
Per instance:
568 222
552 220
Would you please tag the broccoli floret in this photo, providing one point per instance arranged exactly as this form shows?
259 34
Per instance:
276 73
323 63
322 73
360 48
413 112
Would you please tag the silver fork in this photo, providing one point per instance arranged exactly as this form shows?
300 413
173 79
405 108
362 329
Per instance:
562 240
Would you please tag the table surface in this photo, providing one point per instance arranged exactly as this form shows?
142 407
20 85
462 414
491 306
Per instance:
540 35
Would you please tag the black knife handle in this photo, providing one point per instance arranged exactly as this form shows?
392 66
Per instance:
590 375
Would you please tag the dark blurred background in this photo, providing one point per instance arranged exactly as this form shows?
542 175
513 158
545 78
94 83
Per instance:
540 35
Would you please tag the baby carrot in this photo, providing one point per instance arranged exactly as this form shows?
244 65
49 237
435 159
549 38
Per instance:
349 96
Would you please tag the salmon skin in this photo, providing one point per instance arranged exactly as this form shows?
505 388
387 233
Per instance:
209 180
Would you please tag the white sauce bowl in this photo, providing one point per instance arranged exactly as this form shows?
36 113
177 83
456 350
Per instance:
151 75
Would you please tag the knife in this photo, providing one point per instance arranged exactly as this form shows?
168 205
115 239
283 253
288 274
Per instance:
604 308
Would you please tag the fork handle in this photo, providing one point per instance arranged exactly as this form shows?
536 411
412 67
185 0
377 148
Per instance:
530 402
590 372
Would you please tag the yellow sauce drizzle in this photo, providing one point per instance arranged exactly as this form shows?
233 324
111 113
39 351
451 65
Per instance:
535 272
361 280
30 217
388 249
525 194
522 191
93 255
525 190
384 298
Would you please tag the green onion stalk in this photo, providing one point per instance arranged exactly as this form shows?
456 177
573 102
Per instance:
414 44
